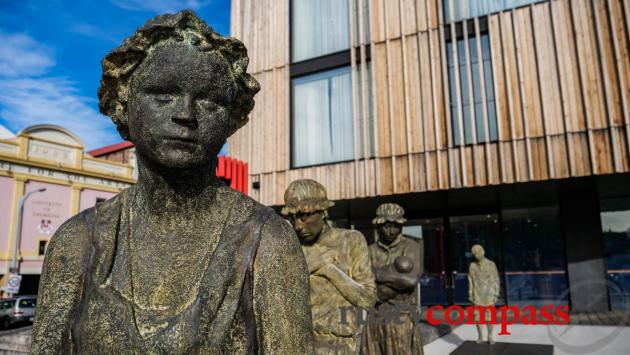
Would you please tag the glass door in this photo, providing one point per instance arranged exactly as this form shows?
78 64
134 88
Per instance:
615 217
535 269
466 231
433 284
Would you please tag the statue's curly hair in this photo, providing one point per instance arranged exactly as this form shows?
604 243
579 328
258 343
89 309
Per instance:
119 64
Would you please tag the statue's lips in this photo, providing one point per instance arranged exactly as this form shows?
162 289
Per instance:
304 236
183 140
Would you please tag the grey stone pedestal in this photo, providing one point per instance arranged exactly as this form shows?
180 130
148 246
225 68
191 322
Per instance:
472 348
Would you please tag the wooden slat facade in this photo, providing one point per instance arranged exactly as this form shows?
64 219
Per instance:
561 81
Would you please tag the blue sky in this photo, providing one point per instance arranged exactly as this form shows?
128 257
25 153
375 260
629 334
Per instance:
50 54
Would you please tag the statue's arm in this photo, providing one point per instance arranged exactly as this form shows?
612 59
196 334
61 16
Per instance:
471 285
360 289
281 292
389 276
496 283
60 288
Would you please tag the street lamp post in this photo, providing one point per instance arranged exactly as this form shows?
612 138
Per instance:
18 229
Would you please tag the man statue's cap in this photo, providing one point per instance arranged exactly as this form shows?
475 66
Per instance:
306 196
389 212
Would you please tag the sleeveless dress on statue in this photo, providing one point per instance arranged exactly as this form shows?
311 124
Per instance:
220 319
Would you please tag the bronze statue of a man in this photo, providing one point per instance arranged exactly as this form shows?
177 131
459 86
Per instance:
483 287
338 265
178 263
397 261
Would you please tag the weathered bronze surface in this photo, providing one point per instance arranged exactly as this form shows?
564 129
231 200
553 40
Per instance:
178 263
338 264
397 261
483 287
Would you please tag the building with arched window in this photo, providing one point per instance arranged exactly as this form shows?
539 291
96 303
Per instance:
52 158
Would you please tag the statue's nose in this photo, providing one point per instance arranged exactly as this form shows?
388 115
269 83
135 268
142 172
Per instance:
184 113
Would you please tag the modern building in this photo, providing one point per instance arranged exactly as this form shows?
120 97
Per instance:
505 123
52 158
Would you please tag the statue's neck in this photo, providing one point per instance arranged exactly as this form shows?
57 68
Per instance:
176 191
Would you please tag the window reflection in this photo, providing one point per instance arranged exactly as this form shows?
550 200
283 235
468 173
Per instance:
319 27
534 256
468 231
615 217
431 231
322 108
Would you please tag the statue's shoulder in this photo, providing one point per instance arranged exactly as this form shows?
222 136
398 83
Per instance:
409 240
74 229
275 229
351 237
74 233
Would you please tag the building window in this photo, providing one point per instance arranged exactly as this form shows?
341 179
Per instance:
615 218
319 27
99 200
466 232
323 98
456 10
42 247
534 256
323 122
470 77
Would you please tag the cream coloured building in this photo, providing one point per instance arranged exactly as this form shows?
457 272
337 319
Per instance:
50 157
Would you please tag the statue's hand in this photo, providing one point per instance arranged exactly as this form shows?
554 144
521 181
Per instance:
316 260
385 292
384 273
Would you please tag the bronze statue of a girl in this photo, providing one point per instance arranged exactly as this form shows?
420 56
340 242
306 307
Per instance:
178 263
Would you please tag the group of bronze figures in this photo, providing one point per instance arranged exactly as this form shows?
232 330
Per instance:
345 274
180 263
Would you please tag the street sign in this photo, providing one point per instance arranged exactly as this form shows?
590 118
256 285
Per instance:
13 283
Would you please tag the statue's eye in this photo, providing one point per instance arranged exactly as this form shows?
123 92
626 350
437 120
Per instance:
163 98
208 104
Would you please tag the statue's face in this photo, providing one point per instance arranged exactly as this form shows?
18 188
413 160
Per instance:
388 231
308 226
179 105
478 253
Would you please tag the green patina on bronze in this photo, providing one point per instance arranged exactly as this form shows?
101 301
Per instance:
397 261
339 268
178 263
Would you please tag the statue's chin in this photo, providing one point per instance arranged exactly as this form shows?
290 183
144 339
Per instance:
174 160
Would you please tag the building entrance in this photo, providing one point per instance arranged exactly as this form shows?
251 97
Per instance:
525 244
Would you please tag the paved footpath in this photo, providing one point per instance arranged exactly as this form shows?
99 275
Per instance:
566 339
15 341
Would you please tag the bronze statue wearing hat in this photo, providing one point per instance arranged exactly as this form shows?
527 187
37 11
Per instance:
178 263
339 267
397 261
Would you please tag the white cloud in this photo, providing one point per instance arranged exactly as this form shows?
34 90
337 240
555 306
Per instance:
29 97
160 6
29 101
88 30
22 55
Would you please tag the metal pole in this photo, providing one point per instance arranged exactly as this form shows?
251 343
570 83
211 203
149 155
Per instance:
18 231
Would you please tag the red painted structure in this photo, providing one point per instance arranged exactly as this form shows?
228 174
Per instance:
112 148
232 171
